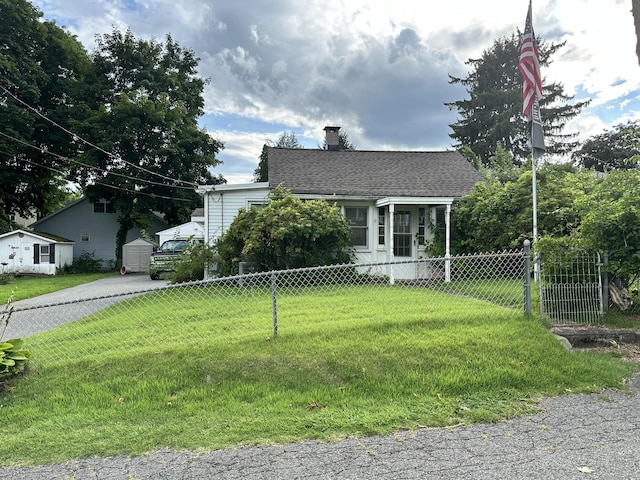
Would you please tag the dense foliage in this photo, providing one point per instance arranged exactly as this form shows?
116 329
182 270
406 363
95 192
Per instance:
616 149
190 265
286 233
498 214
611 219
152 152
43 70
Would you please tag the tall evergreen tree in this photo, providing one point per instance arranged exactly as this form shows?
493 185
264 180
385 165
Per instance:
492 114
285 140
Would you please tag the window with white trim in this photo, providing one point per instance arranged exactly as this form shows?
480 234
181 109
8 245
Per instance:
381 225
44 253
358 217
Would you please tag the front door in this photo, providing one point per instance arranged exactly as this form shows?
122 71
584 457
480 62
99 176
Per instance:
402 236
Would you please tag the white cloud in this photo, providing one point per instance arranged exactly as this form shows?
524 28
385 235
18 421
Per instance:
378 69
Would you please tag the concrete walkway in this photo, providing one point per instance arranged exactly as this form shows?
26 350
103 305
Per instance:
41 313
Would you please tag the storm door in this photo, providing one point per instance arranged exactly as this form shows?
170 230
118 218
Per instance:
402 237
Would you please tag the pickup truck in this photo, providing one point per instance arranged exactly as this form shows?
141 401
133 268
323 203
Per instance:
161 259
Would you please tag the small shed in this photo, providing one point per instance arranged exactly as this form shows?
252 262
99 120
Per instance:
136 256
193 230
23 251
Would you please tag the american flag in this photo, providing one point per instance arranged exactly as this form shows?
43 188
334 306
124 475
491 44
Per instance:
529 67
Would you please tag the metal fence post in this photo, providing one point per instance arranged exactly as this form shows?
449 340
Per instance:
527 277
605 280
274 304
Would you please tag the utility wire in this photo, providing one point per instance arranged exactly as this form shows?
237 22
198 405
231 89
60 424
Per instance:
76 136
60 157
137 192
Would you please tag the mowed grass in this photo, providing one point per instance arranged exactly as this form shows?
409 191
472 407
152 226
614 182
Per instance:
29 287
348 361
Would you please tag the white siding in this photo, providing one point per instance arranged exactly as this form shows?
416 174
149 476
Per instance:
223 206
17 254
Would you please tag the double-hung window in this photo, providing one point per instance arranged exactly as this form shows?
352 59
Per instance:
358 216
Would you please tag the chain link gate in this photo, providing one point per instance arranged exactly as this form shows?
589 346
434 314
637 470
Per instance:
571 287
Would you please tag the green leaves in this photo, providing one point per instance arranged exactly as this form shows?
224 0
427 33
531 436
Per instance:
286 233
13 357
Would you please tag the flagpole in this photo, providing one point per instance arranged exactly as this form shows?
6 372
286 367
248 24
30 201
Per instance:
529 67
534 191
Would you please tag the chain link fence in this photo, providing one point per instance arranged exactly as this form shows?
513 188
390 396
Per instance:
265 306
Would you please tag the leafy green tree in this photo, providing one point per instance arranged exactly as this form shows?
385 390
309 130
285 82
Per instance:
151 152
611 219
498 215
43 70
617 149
285 140
286 233
492 114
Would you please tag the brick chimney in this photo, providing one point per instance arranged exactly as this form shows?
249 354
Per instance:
332 139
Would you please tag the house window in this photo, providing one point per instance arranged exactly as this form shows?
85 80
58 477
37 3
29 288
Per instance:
44 253
103 207
440 221
359 227
259 204
381 225
422 224
402 233
84 237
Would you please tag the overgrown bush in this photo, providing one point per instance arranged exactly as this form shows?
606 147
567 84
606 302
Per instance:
5 278
85 263
190 265
286 233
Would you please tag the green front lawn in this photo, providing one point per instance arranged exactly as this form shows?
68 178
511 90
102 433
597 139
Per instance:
348 361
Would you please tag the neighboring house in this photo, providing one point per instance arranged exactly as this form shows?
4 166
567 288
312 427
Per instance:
22 251
182 232
93 227
394 199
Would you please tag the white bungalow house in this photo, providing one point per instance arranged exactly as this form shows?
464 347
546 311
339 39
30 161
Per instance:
394 199
23 251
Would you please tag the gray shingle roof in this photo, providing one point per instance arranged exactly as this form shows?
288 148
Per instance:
371 174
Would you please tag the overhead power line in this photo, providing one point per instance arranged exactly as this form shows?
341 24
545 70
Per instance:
78 137
137 192
60 157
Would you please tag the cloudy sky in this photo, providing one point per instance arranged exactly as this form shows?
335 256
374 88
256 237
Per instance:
378 69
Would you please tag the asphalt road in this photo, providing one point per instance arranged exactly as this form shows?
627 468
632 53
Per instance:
594 436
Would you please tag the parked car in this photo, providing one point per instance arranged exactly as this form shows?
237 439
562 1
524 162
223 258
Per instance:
162 258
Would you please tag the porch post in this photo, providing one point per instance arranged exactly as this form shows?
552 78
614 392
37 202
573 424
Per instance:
390 252
447 244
